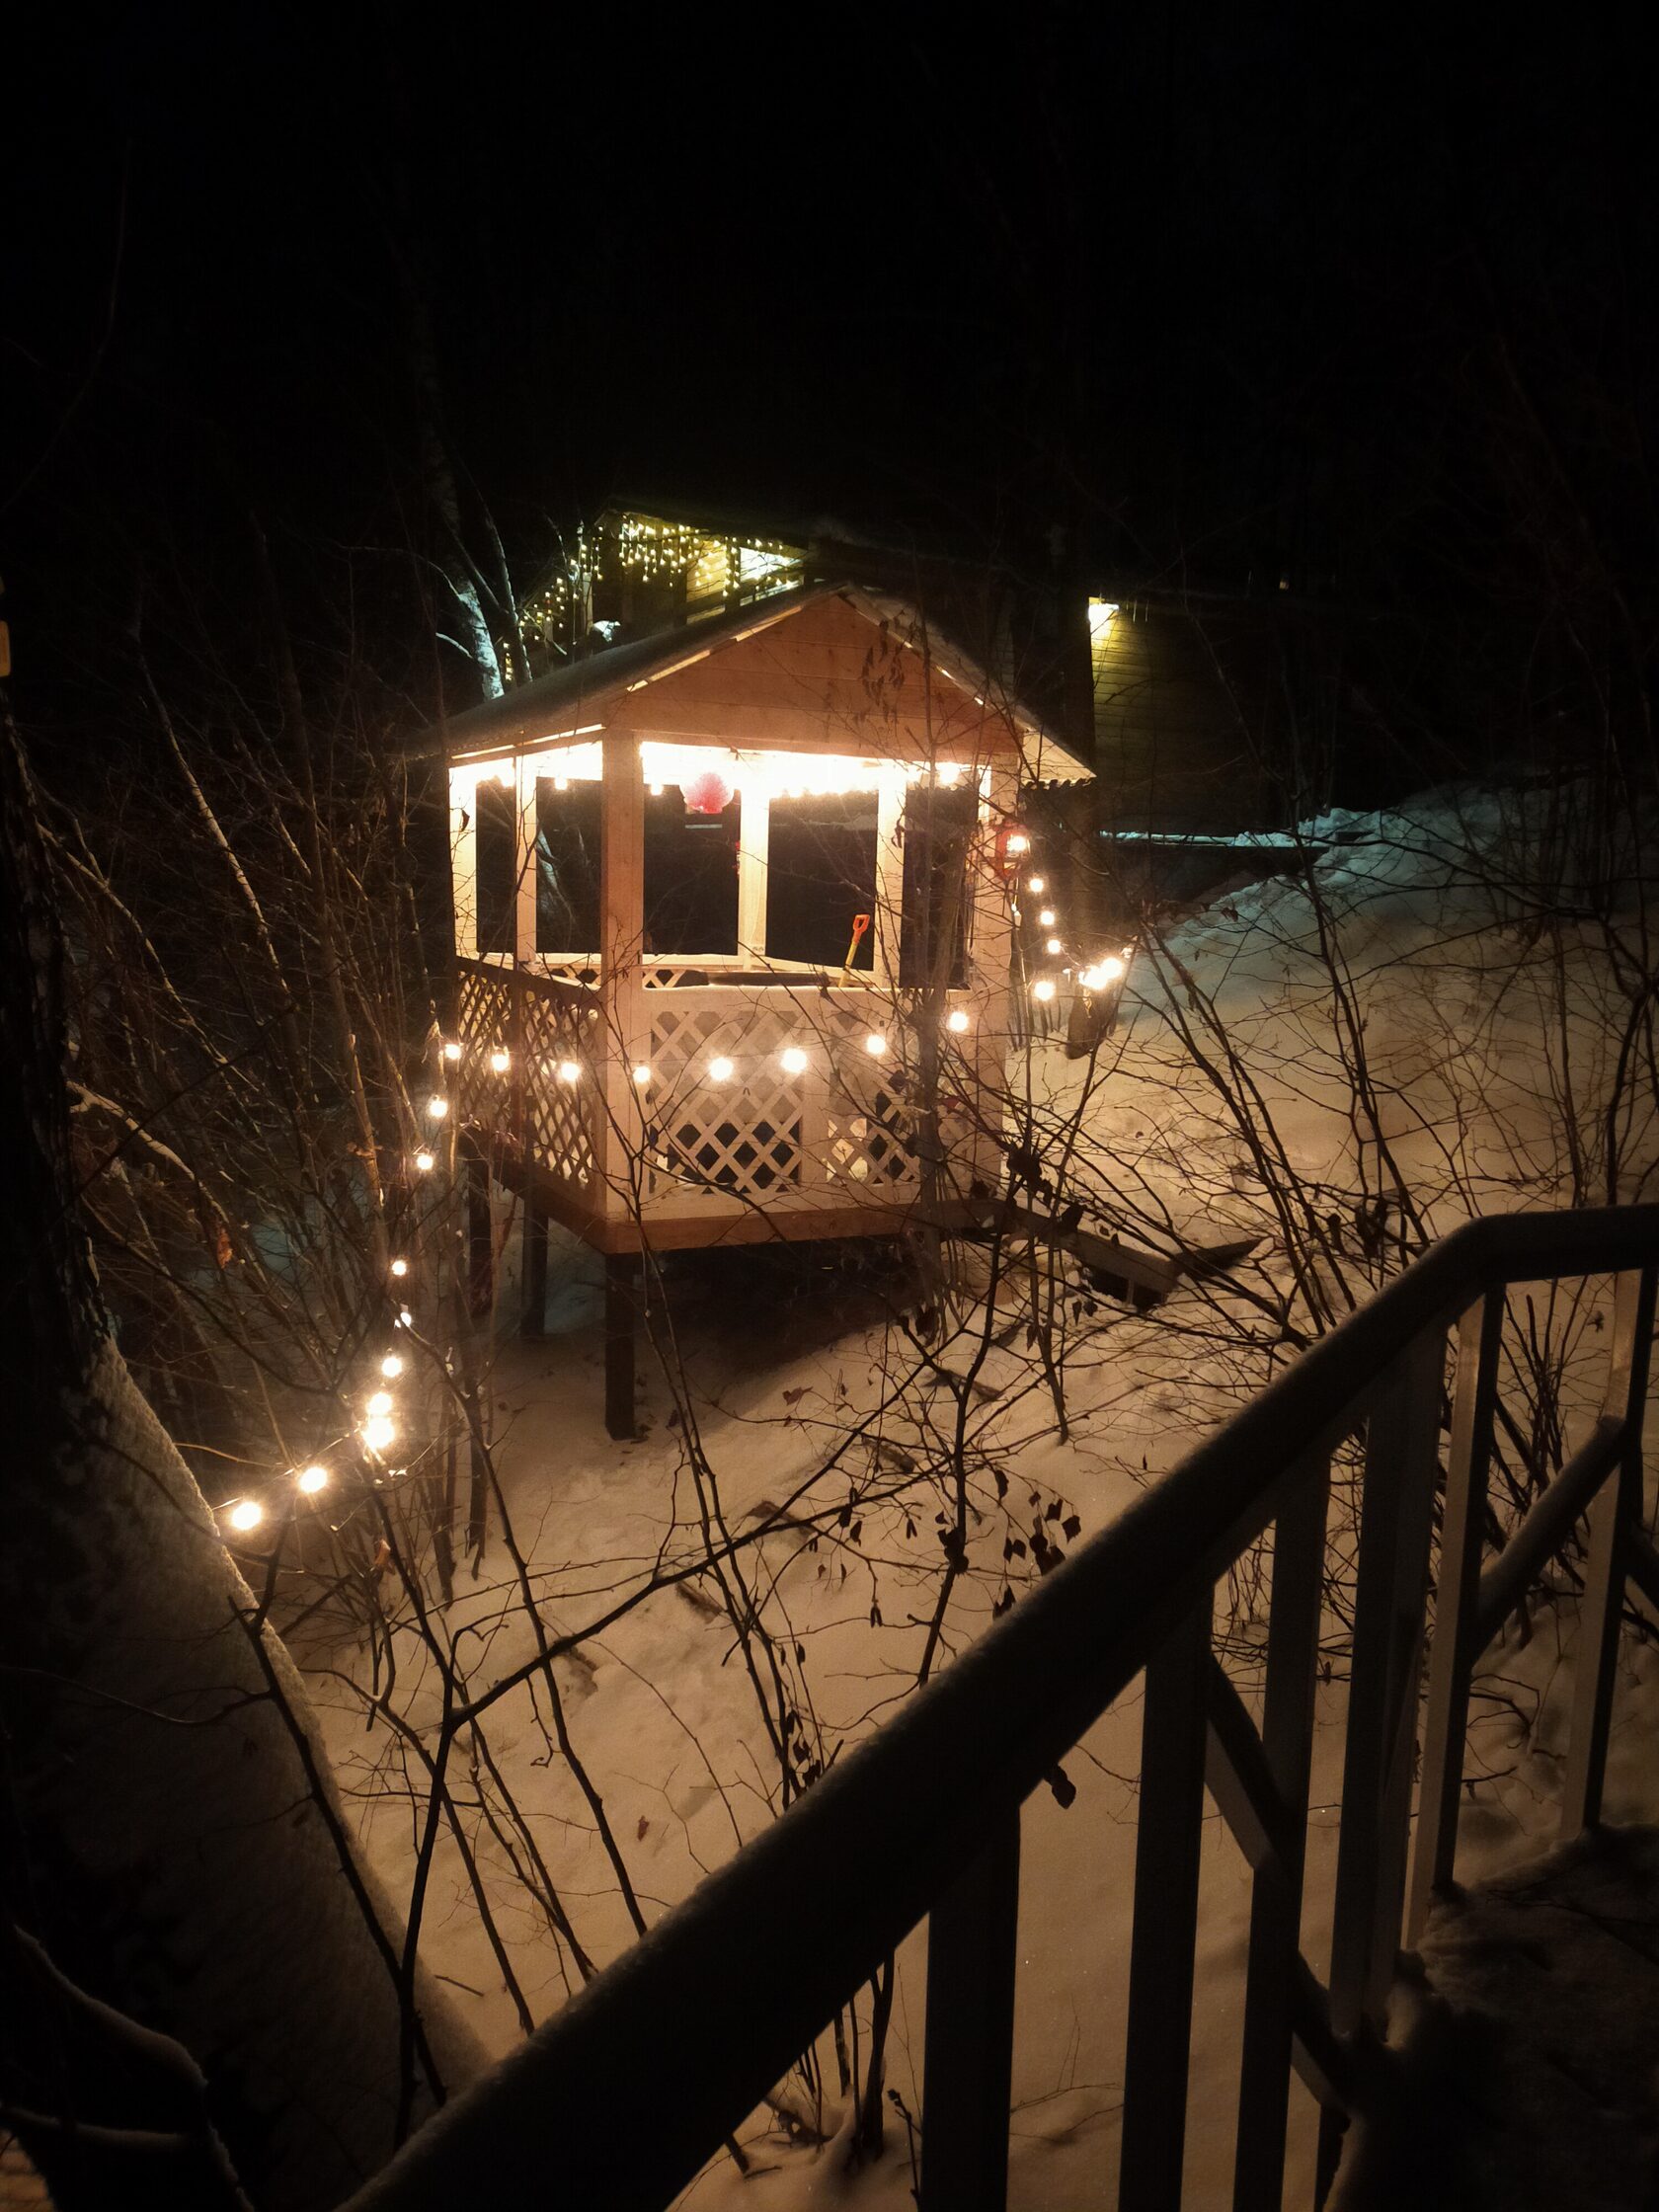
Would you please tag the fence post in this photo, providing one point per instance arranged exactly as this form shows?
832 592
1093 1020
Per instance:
1391 1579
971 1934
1454 1651
1173 1736
1293 1654
1616 1504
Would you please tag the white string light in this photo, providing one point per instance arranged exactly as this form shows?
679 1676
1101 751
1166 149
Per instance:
436 1107
570 1071
1043 989
380 1403
312 1479
720 1069
793 1060
246 1513
957 1019
1046 920
424 1162
500 1061
400 1268
1104 972
451 1050
1036 884
392 1367
1018 842
379 1432
642 1076
1054 945
875 1045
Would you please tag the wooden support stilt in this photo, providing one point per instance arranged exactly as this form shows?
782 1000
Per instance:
534 1286
480 1233
621 1278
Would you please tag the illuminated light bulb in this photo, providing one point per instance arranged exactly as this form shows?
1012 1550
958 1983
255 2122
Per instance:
312 1479
424 1162
1018 841
875 1045
451 1050
642 1076
1035 884
1053 945
248 1513
436 1107
957 1020
570 1071
1104 972
379 1432
720 1069
380 1402
793 1061
400 1268
1046 920
499 1062
1043 989
392 1367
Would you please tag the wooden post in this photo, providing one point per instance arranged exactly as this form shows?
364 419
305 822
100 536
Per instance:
971 1935
623 1042
755 820
480 1231
621 1278
1163 1935
524 883
534 1287
1617 1507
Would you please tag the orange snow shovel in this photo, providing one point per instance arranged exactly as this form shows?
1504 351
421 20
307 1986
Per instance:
860 929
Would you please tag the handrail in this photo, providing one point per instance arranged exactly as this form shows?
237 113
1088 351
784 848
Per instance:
800 1916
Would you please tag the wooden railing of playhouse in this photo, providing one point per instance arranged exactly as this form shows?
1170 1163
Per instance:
622 2096
840 1132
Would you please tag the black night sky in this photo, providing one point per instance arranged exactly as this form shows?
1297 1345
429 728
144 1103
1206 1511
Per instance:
1203 291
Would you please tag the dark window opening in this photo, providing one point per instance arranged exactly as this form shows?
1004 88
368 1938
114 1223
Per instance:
939 832
496 868
690 876
821 874
567 867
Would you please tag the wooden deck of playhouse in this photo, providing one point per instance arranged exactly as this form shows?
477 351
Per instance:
660 1102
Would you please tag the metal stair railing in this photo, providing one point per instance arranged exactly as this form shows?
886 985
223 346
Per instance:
624 2094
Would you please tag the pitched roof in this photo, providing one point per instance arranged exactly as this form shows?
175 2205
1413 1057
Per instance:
584 694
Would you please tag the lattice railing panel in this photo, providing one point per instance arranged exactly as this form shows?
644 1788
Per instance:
560 1031
484 1008
870 1131
743 1137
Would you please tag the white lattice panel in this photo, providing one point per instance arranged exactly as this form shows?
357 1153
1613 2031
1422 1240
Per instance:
742 1138
869 1130
561 1031
484 1003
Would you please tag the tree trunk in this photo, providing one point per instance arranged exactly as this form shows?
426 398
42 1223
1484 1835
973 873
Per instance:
166 1830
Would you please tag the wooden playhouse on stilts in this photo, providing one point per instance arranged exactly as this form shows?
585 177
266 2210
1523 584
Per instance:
733 911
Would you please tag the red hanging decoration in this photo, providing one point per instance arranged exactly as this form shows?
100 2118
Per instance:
708 793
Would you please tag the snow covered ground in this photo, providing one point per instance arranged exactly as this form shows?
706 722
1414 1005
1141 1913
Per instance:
1481 1054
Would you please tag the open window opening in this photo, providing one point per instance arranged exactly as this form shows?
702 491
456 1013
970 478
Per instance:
567 905
938 833
820 876
690 874
495 869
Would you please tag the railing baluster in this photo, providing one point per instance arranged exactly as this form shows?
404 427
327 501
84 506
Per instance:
971 1934
1392 1573
1457 1638
1174 1730
1617 1504
1292 1651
